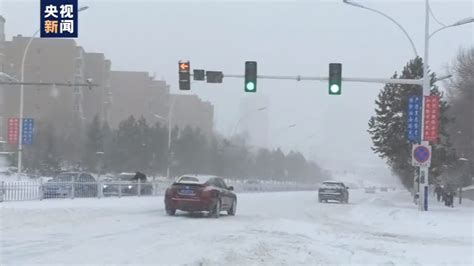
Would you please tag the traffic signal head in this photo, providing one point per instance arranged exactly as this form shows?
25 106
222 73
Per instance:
184 75
335 78
250 76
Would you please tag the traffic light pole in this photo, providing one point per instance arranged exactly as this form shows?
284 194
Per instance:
348 79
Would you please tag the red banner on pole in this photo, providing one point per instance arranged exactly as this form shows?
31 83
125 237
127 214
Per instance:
431 126
13 130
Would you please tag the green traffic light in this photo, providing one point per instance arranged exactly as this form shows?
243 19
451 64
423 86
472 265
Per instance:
250 76
335 78
250 86
335 89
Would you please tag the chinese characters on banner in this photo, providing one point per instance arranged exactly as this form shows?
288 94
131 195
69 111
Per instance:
58 18
13 130
414 119
431 126
28 126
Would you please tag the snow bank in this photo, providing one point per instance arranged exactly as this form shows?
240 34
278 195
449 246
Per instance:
395 212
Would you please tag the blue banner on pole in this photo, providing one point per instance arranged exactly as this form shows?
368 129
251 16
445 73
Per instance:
27 131
58 18
414 119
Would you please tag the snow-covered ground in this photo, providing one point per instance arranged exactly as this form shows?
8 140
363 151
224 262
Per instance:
285 228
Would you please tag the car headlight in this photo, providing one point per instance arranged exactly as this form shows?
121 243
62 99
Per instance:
105 186
130 187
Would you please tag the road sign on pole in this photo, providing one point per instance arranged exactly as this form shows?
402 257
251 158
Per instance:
214 76
414 118
199 74
421 155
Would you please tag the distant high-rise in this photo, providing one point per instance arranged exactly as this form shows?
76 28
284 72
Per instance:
254 120
2 43
2 63
2 29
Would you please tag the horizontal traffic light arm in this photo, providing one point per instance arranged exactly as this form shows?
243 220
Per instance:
59 84
365 80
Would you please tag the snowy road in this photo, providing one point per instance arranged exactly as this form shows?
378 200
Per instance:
269 229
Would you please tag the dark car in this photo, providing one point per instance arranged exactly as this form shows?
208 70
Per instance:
128 184
69 184
333 190
197 193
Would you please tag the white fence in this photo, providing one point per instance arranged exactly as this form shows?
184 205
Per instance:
38 190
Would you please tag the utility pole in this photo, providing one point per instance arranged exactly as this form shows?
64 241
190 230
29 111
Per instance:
424 171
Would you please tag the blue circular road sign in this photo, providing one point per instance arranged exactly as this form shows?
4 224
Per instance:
421 154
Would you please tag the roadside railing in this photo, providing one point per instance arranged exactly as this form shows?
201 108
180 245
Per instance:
39 190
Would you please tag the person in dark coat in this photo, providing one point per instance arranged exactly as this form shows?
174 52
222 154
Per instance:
140 176
439 192
449 196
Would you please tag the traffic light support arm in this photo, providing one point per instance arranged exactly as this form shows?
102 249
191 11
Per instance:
49 84
365 80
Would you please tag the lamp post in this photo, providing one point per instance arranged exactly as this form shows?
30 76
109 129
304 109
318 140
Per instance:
22 94
101 162
461 181
426 82
169 119
280 130
234 129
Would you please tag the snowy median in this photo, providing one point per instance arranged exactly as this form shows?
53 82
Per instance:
11 190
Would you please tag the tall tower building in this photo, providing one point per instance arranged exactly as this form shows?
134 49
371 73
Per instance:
2 43
2 68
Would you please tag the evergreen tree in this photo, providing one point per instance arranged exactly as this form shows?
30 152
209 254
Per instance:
388 128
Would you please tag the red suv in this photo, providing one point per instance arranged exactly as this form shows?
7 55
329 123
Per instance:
198 193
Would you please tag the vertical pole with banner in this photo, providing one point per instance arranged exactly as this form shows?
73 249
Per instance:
424 171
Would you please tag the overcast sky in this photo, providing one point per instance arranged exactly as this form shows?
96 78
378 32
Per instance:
285 37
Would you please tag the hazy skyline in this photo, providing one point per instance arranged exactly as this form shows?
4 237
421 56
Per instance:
284 37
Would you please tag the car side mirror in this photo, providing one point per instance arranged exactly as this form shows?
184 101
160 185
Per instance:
231 188
347 187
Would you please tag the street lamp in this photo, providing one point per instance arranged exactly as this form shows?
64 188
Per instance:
83 8
426 92
22 80
6 77
100 153
461 181
170 115
459 23
387 16
245 116
426 80
280 130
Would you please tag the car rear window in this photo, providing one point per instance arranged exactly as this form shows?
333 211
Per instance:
64 178
188 179
126 177
332 185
